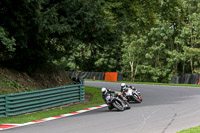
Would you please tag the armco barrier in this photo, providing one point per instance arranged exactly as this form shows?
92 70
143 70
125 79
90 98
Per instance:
20 103
92 75
186 79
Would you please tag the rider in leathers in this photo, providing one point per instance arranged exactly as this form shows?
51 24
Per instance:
106 92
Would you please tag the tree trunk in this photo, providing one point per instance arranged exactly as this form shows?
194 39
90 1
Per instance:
184 67
191 64
176 67
131 65
136 70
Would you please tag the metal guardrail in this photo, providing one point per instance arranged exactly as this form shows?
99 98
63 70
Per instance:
25 102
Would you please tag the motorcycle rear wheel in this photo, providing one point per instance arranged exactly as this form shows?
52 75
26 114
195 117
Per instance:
110 107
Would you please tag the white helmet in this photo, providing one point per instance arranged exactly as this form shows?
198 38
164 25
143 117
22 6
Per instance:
103 90
123 85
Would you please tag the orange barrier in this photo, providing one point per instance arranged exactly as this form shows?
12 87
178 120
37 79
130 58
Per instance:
199 80
110 76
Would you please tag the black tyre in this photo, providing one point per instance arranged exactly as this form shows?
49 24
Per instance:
128 105
119 105
129 99
110 107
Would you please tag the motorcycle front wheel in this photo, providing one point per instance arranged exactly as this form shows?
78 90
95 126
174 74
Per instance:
137 98
118 104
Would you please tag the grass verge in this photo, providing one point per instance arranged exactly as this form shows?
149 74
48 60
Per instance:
149 83
191 130
96 99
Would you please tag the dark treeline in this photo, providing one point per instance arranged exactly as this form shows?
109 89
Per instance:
149 40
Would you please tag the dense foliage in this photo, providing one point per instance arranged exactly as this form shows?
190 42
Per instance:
149 40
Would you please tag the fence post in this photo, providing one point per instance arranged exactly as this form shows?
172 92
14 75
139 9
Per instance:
81 92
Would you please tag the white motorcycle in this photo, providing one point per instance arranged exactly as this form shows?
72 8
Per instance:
132 94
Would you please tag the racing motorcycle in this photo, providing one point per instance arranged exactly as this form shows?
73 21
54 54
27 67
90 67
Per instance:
117 100
132 94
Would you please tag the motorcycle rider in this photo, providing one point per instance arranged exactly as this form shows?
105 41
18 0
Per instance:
123 87
105 93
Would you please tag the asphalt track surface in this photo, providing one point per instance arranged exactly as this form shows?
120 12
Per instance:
165 109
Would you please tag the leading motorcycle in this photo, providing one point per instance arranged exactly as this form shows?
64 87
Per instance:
132 94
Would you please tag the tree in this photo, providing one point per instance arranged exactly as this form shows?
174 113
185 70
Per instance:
189 37
146 35
45 31
7 45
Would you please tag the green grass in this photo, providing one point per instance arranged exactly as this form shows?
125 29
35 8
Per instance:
149 83
96 99
191 130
